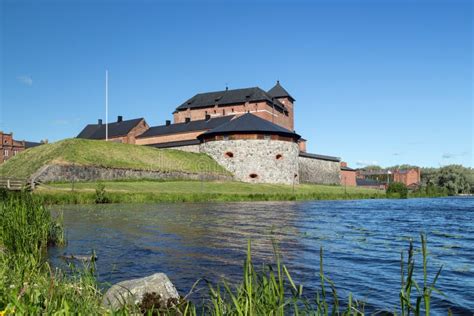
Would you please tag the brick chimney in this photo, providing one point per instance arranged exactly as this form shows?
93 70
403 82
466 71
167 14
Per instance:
119 118
168 122
343 164
99 122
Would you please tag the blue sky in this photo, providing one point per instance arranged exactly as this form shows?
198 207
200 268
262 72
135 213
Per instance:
382 82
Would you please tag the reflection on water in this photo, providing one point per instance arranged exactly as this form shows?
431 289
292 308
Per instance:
362 241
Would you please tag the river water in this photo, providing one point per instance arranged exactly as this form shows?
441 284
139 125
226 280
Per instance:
362 241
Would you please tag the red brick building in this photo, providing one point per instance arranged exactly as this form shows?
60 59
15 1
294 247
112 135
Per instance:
274 105
10 147
409 177
348 175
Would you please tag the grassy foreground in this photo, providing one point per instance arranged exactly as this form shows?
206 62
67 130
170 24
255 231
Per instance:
30 286
107 154
196 191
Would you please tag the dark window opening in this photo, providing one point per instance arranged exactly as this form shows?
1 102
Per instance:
279 157
253 175
229 154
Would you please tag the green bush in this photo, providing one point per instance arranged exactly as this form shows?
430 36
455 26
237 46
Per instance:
397 189
100 194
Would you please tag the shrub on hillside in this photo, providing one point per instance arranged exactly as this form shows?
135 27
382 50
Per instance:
397 188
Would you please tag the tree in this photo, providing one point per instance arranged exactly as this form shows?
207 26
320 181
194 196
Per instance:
398 188
454 178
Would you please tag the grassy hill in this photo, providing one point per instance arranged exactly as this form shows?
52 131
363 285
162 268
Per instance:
107 154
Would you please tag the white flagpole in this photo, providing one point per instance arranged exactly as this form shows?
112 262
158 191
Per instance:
106 105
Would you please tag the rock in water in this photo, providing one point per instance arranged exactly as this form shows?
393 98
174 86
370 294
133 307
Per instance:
131 292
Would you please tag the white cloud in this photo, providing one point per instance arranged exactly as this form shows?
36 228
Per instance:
454 155
25 79
363 163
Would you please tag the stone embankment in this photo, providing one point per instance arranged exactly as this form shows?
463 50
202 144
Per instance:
66 173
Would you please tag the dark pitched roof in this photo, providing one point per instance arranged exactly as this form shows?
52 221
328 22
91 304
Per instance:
200 125
249 123
176 144
320 157
278 91
227 97
32 144
347 169
116 129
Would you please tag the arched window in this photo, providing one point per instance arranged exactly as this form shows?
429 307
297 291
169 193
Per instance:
229 154
279 157
253 176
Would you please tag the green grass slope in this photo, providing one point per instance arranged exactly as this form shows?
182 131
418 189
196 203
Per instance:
107 154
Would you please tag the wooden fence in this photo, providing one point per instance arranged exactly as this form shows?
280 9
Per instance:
14 184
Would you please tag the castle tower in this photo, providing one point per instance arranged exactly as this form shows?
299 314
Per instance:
279 93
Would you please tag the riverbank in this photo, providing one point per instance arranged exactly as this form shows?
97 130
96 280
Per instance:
196 191
149 191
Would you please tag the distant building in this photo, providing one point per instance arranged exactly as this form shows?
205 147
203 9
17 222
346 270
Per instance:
120 131
10 147
409 177
348 175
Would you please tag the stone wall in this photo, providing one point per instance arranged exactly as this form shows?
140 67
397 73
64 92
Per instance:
62 173
319 171
189 148
256 161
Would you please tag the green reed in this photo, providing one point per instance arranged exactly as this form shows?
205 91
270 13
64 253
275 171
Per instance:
27 226
409 284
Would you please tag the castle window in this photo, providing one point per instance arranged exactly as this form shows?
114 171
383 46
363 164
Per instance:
229 154
253 176
5 153
279 157
232 110
223 112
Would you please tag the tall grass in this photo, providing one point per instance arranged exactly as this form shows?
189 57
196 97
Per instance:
28 284
27 226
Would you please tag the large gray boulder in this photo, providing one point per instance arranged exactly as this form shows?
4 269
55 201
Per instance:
131 292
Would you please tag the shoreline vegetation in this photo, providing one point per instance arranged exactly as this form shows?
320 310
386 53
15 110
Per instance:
29 285
149 191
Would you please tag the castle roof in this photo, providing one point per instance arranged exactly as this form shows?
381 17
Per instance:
116 129
184 127
227 97
279 92
319 157
32 144
249 123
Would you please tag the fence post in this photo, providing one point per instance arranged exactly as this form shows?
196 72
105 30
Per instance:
8 184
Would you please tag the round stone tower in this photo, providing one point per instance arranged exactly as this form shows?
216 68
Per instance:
254 150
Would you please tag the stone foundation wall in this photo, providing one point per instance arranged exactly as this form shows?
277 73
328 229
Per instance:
190 148
256 161
319 171
60 173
